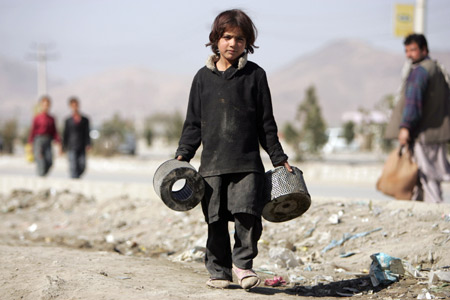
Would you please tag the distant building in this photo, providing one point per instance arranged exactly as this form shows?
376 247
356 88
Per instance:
337 143
359 118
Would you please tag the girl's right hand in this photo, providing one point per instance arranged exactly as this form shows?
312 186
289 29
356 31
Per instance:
180 158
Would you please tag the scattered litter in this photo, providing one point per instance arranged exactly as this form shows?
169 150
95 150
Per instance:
110 238
126 225
381 269
346 237
425 295
339 270
276 281
386 269
32 228
293 278
410 270
430 257
446 217
377 211
303 248
261 241
283 258
265 271
319 278
334 219
436 276
195 254
347 254
309 232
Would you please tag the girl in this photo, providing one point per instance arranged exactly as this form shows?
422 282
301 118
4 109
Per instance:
230 114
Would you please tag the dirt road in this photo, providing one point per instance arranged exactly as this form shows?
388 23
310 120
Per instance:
65 239
39 272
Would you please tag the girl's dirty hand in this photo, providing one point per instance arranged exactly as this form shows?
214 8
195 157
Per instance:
286 165
180 158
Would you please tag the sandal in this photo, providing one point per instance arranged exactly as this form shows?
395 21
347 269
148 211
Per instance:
218 283
247 278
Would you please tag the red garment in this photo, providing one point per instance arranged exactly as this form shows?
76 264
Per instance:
43 124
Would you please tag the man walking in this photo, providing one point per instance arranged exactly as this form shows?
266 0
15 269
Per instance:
421 119
76 140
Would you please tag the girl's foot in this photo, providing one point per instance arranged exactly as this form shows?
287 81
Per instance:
247 278
218 283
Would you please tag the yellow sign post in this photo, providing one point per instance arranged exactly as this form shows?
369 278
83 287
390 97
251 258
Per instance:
403 20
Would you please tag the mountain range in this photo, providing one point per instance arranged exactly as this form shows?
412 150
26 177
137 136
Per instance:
347 75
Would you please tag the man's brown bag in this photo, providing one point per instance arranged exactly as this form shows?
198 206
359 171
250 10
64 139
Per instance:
399 176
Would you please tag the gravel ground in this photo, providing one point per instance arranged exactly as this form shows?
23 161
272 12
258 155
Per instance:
66 239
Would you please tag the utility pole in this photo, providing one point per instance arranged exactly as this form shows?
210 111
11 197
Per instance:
41 57
420 16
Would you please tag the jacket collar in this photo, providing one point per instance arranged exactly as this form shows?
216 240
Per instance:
421 60
212 59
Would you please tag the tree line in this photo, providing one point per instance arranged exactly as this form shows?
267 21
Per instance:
306 134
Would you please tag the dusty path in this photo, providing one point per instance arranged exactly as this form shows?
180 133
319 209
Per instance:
60 273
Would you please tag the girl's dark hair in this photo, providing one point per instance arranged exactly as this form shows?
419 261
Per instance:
230 19
419 39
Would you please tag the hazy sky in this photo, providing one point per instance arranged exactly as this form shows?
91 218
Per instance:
96 35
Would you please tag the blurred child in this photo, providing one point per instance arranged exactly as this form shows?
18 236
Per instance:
230 114
43 131
76 139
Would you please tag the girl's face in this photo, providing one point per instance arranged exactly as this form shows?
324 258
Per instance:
232 44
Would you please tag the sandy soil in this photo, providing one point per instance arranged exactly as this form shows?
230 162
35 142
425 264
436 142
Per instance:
61 241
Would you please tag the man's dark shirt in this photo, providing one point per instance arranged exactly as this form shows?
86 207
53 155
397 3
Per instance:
76 134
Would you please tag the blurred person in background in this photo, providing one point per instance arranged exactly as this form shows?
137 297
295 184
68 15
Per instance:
43 131
76 139
421 119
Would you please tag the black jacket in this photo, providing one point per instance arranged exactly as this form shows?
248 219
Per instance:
76 135
231 115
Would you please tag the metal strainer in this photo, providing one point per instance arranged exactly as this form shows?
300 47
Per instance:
286 195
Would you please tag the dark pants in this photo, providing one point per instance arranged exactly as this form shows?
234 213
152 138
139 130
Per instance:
219 257
77 162
42 148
